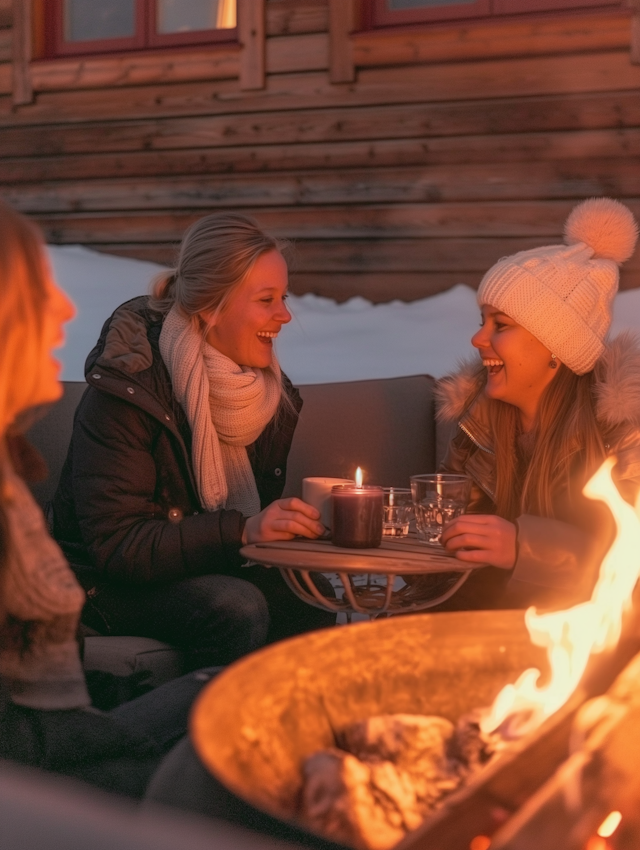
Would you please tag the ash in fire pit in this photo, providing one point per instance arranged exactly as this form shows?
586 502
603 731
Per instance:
390 772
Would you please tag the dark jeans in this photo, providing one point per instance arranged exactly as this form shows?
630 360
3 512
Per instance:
214 619
117 750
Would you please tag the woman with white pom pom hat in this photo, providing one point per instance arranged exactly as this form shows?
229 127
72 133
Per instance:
550 399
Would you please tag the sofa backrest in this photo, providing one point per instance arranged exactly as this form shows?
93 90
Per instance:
386 426
51 435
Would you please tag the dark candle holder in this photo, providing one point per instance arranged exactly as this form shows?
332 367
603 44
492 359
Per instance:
357 515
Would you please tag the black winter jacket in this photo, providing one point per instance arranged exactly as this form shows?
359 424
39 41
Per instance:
127 504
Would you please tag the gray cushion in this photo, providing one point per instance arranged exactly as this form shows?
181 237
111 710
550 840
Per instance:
51 435
385 426
151 661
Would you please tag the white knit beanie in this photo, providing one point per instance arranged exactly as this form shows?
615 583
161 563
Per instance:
563 294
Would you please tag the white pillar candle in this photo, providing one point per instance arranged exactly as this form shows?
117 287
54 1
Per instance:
317 492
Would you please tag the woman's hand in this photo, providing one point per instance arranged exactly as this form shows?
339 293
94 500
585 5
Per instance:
283 519
482 539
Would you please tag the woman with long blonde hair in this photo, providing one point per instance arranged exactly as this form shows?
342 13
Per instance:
179 455
551 397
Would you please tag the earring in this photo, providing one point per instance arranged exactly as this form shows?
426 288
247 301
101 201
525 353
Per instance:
553 363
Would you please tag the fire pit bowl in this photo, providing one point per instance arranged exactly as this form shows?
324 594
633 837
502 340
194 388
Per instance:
254 725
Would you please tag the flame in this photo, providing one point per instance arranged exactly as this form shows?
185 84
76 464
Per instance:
571 636
609 824
358 477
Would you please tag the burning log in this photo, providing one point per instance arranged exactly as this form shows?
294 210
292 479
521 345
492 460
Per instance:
390 773
364 805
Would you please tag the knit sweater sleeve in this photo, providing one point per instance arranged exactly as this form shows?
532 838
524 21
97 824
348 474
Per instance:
133 513
39 656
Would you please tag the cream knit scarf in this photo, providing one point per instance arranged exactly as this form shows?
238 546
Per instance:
227 406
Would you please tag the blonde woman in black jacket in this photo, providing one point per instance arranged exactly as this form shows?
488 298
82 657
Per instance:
179 455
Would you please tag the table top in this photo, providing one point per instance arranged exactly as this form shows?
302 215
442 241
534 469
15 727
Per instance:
407 555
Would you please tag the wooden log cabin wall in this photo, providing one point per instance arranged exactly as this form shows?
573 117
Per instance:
400 161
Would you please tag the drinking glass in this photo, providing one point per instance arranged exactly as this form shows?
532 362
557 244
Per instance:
398 508
437 499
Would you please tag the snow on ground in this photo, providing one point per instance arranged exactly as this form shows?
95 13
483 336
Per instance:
324 342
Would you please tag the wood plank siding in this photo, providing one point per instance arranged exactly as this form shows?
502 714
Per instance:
399 161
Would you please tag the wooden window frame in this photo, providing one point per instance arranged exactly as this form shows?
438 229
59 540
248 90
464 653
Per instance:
375 15
352 37
145 38
380 16
34 72
634 5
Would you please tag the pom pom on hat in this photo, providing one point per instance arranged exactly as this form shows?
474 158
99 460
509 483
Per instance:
606 226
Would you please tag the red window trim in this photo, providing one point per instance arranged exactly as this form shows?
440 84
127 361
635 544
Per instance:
145 37
377 15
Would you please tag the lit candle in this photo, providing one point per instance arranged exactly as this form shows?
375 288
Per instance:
357 512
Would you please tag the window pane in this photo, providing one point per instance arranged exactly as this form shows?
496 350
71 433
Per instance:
193 15
393 5
87 20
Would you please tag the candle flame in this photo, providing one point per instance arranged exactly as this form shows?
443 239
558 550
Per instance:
609 825
358 477
571 636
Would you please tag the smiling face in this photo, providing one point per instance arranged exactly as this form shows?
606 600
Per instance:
253 315
517 363
57 310
32 328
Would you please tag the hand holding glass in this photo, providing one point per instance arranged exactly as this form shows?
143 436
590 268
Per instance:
437 499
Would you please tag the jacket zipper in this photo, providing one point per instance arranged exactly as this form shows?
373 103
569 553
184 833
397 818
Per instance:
473 439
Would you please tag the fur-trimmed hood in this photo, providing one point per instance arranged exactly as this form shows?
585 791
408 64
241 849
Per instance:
617 385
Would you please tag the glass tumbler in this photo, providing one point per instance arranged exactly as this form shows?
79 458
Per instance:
437 499
398 509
